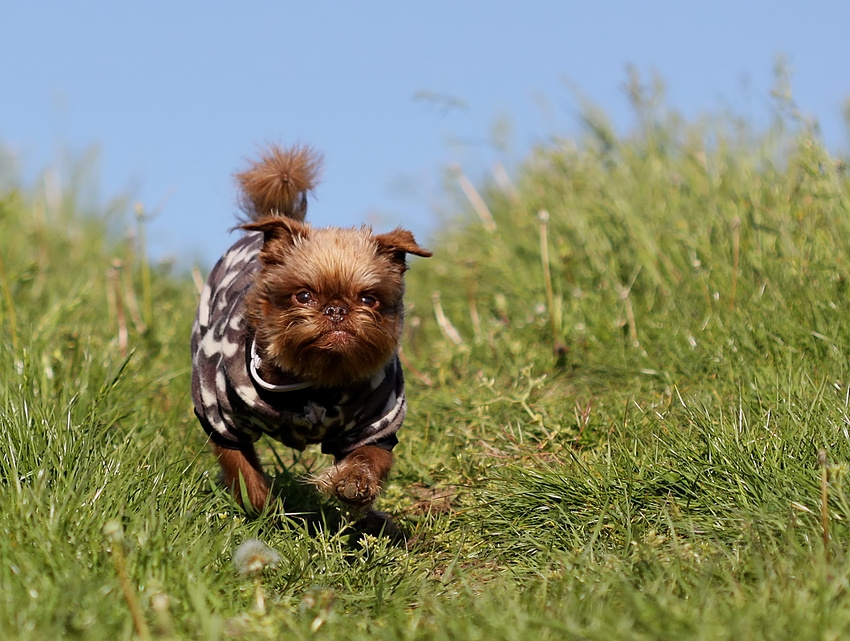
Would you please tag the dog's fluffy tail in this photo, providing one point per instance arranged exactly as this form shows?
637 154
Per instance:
278 183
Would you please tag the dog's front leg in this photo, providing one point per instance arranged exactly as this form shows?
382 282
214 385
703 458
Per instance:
243 465
358 478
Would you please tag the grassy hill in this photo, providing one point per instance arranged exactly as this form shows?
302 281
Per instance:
629 392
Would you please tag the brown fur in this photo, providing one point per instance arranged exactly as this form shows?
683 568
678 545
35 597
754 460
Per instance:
242 472
336 268
279 183
359 477
327 307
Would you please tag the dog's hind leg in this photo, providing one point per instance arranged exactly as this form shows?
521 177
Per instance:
243 475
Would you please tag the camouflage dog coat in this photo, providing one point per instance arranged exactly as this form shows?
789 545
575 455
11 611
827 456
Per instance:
235 406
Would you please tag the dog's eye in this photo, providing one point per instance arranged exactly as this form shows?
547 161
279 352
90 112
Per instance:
369 300
303 297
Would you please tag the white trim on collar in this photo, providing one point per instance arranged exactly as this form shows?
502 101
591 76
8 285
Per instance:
254 366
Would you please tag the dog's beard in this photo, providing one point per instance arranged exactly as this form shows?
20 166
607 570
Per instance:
306 344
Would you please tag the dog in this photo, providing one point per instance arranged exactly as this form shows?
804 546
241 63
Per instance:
297 336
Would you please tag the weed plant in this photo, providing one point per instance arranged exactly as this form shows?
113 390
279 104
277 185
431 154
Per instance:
628 376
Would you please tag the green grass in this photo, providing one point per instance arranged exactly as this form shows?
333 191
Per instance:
619 442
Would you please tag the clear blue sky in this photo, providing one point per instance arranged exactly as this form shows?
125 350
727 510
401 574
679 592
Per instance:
177 94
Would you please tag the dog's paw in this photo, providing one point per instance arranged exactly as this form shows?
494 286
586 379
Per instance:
351 482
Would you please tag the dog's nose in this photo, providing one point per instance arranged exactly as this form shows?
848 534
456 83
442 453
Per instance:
336 312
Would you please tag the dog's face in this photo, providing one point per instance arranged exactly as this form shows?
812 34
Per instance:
328 304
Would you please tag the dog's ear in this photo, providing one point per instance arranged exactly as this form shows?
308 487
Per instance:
397 244
279 233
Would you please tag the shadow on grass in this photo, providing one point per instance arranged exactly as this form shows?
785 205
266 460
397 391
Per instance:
297 503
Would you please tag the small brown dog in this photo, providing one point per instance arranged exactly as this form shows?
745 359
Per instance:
297 337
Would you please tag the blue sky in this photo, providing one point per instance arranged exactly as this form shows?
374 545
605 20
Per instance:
175 95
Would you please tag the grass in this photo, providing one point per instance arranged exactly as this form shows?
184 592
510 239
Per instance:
617 411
